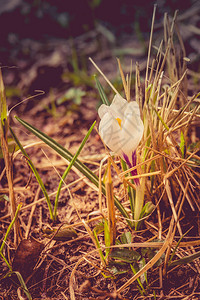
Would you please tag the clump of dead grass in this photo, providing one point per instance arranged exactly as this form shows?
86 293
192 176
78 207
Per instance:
164 153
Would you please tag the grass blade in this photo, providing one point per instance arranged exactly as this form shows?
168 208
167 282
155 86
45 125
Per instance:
174 251
7 233
35 173
69 168
138 279
131 191
99 247
3 104
110 206
102 94
23 285
79 165
185 260
107 238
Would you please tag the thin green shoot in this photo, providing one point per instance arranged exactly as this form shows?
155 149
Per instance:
102 94
174 251
3 104
110 205
35 173
7 233
138 279
145 273
131 191
69 168
160 118
99 247
23 285
6 261
107 238
183 145
185 260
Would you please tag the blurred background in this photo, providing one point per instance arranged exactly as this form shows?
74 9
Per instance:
45 45
40 19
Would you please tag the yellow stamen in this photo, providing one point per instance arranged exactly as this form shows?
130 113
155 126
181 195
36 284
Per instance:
119 122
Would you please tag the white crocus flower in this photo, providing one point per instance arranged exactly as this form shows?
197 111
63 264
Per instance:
121 128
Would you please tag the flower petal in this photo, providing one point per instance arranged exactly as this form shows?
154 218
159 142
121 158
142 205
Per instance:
109 131
119 105
121 127
133 108
103 109
132 130
117 108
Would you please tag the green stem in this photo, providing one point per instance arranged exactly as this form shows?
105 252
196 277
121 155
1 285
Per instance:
139 200
69 168
7 233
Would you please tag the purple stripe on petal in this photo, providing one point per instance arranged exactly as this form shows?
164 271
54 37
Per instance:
127 160
134 172
134 158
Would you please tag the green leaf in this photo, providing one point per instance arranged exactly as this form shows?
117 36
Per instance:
147 209
35 173
70 166
131 191
116 271
185 260
99 228
174 251
23 285
98 245
126 237
4 197
75 94
106 237
143 277
102 94
133 268
7 233
183 145
3 104
79 165
63 234
12 147
125 255
160 118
